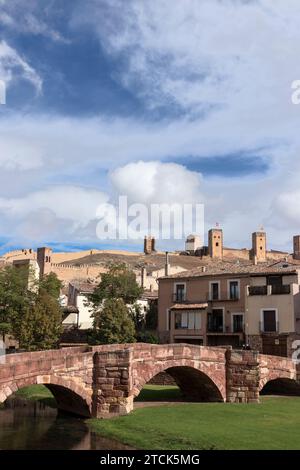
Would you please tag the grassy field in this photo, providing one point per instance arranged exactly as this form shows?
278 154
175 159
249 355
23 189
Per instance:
273 424
37 393
159 393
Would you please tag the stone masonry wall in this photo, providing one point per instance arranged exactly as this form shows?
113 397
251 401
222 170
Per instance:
112 382
70 369
242 376
104 380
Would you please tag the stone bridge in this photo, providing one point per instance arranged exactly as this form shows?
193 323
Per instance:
104 380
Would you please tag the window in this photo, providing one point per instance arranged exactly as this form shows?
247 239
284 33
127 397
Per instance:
215 321
188 320
274 280
180 292
269 321
238 323
214 290
234 290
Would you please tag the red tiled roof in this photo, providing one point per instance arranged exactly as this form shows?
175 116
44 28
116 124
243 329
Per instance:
219 268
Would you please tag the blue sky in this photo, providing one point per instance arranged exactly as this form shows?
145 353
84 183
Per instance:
105 96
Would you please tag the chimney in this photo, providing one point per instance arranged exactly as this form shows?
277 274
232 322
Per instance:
167 265
143 277
255 260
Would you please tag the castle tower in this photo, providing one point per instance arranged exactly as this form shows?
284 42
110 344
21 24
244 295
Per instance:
215 243
149 245
44 255
259 246
296 245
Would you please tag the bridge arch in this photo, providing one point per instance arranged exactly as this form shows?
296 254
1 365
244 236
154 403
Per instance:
69 396
280 386
195 384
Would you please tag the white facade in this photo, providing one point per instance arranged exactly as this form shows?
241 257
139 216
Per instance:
193 243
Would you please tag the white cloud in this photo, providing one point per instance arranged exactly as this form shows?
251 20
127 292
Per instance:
202 53
156 182
29 20
76 204
227 66
13 66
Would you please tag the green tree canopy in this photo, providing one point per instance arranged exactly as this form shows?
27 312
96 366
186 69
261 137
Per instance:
29 309
118 283
51 284
40 326
15 297
113 324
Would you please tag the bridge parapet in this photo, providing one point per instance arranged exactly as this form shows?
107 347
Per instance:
69 369
105 379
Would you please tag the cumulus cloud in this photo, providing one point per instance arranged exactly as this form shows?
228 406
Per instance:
156 182
223 73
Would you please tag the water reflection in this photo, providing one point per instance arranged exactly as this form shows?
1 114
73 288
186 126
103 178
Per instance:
35 425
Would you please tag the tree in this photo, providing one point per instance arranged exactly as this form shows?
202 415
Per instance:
118 283
152 316
40 326
51 284
29 309
113 324
15 297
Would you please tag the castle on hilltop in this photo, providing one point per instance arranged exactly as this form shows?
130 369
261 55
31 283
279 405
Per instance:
89 264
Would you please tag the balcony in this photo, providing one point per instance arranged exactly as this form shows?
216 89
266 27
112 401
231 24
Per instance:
212 328
227 330
258 290
271 328
269 290
281 290
179 298
223 298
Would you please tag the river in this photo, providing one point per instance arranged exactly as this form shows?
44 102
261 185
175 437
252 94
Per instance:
28 425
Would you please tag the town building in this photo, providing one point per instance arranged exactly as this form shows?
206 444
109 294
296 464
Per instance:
232 304
193 244
78 311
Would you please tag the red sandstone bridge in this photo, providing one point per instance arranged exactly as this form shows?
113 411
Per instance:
103 380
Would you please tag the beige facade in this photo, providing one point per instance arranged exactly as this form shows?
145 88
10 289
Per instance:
262 309
216 309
